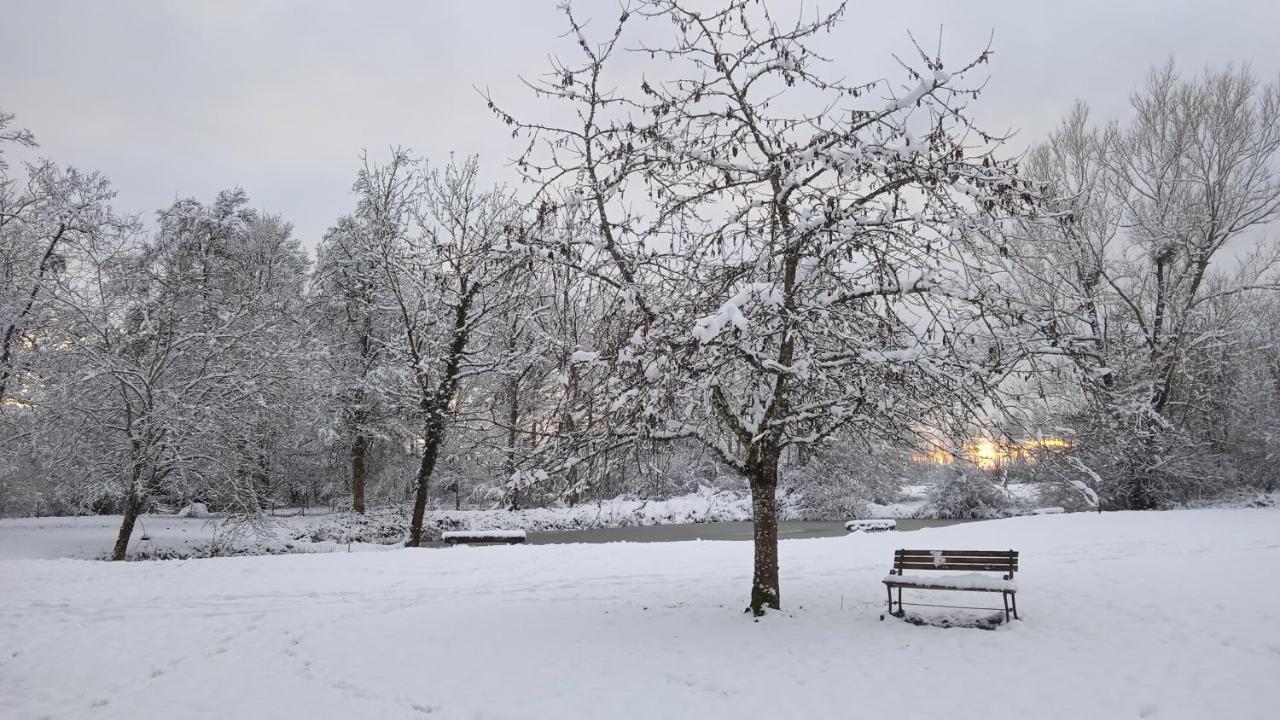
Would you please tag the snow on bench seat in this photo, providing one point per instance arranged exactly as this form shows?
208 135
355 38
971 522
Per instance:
454 537
964 581
869 525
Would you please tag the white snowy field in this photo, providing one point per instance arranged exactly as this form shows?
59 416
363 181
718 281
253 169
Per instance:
1125 615
90 537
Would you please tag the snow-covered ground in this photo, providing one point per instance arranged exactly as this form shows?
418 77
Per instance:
1126 615
91 537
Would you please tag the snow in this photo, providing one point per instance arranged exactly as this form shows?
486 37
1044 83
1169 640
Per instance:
483 534
708 328
1110 629
194 510
870 525
91 537
959 581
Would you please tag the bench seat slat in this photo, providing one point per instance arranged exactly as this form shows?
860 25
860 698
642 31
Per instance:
967 581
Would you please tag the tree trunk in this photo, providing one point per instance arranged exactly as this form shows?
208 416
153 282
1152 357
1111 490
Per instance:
433 437
764 521
1137 488
359 450
435 408
513 417
132 508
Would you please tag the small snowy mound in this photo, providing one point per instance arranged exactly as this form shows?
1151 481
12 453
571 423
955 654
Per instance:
871 525
483 535
195 510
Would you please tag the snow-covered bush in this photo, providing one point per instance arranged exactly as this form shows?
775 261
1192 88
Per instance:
838 481
382 528
195 510
1064 495
1242 497
959 492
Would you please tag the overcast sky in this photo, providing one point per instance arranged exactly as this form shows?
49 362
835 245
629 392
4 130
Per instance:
177 99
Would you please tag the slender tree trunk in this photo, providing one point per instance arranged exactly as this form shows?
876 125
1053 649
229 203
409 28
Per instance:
1137 486
435 408
132 508
434 436
763 475
360 443
359 451
513 417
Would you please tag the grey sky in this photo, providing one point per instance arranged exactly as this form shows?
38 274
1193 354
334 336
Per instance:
176 99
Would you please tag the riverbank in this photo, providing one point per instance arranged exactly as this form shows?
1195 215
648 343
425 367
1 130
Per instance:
174 537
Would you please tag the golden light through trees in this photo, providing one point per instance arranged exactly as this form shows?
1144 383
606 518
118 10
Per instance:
990 454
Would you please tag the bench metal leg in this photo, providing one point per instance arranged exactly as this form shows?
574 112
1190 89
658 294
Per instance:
1014 599
889 590
901 611
1005 595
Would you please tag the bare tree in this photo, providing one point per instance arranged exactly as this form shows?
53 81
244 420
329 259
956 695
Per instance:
805 256
165 373
1133 253
38 214
445 261
348 307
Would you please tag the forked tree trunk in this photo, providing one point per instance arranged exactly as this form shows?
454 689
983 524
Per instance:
763 475
359 451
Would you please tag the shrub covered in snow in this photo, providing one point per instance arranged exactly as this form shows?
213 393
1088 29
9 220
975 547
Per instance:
841 481
384 527
195 510
958 492
1244 497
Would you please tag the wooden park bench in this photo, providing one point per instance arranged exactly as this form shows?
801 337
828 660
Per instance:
483 537
972 563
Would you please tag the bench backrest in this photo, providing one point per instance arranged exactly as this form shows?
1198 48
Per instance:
1005 561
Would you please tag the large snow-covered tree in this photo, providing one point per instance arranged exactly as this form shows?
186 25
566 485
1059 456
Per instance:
445 261
348 316
171 370
1143 251
43 209
792 255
